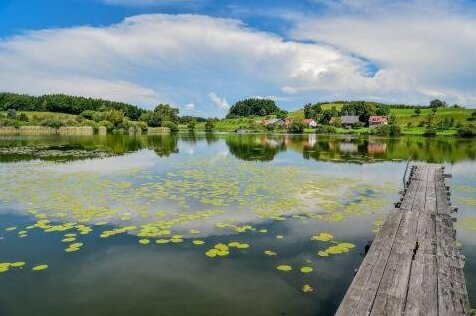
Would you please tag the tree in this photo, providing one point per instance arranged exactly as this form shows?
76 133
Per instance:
473 116
437 103
191 125
312 110
467 131
253 107
162 113
173 127
434 110
210 125
64 104
417 111
114 116
296 127
360 108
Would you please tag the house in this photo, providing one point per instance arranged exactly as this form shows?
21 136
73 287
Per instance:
349 120
310 123
377 120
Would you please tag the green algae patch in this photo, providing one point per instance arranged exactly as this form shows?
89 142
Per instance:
306 288
322 237
40 267
144 241
336 249
270 253
5 266
306 269
74 247
284 268
198 242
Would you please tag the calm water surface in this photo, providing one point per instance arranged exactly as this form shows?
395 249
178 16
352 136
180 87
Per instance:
126 224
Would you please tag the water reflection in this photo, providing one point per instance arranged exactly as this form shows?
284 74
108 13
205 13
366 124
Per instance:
252 147
209 187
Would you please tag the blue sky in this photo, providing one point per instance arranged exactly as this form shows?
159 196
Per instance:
204 55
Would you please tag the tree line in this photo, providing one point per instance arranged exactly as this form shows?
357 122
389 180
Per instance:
62 103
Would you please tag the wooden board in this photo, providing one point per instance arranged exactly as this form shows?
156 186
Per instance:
413 266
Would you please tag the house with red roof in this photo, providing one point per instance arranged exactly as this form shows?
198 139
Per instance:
377 120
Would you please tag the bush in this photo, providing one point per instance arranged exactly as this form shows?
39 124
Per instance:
8 122
23 117
142 126
358 125
88 114
12 114
108 125
52 122
296 127
326 129
114 116
430 131
387 130
467 131
191 125
210 125
173 127
71 122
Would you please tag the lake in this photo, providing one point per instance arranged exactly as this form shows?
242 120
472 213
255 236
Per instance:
204 224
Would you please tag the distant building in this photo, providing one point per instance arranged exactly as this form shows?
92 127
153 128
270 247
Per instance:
349 120
310 123
377 120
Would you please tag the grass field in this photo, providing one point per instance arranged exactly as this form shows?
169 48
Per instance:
404 116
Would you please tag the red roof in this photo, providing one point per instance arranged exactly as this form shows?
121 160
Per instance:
308 121
377 119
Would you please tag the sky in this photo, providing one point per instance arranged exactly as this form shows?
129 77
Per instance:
204 55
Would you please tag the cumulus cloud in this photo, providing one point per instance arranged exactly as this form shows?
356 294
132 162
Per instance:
219 102
425 47
147 59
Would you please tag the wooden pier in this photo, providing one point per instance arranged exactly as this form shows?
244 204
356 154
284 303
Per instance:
413 266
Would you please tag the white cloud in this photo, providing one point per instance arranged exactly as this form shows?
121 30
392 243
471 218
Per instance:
425 47
148 59
190 106
219 102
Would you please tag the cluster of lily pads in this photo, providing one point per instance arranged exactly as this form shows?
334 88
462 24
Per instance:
6 266
190 202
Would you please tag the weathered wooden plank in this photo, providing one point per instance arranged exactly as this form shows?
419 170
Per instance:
452 292
360 296
413 266
364 279
422 294
392 292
